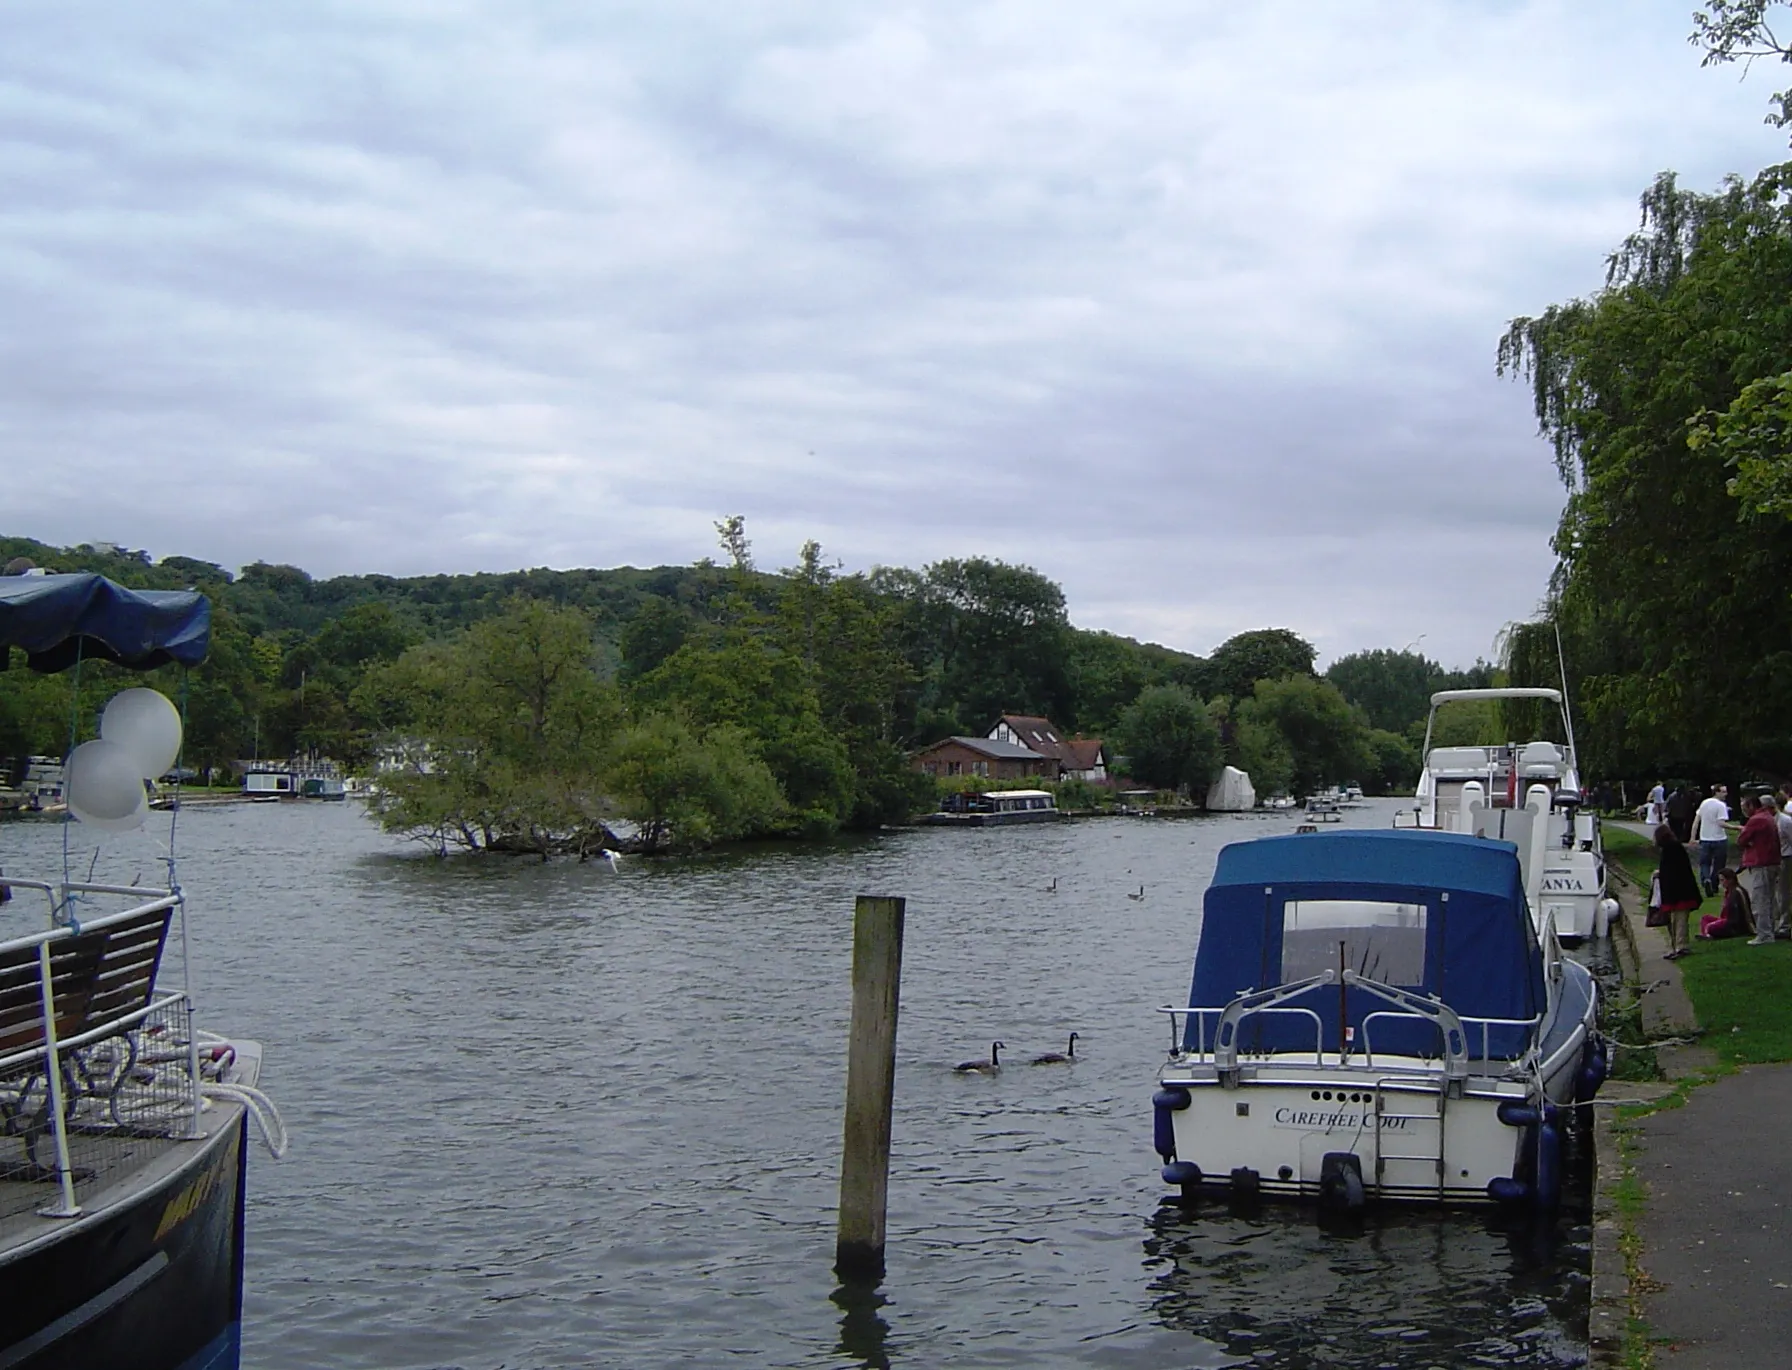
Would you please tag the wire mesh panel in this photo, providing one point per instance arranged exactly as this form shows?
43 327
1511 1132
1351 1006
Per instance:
126 1098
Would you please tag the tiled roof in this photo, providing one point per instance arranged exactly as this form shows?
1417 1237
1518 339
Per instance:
1040 734
986 746
1083 753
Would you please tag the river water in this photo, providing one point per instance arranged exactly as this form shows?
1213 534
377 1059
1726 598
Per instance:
551 1115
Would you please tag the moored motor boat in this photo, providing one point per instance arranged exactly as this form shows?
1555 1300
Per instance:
123 1125
1374 1016
1528 793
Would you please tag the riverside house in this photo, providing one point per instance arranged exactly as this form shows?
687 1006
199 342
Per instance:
984 757
1078 758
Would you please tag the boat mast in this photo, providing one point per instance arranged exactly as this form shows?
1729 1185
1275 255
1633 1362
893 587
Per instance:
1567 713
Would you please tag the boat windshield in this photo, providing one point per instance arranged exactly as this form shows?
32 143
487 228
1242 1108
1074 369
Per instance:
1379 940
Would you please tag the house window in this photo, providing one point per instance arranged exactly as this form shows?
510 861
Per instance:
954 767
1379 941
980 767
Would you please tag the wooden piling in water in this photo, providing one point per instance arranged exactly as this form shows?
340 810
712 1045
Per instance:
870 1086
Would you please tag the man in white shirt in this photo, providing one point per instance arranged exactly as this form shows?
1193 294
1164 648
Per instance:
1714 842
1658 805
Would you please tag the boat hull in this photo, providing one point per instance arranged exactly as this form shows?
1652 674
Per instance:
1414 1142
150 1281
1282 1125
989 820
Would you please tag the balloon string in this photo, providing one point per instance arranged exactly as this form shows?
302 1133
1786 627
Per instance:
180 754
74 725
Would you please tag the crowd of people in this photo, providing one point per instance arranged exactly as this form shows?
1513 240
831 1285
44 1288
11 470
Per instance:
1756 896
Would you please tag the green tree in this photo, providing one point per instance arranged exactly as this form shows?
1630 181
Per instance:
686 790
658 629
1740 31
1324 737
1240 662
1169 740
509 725
1669 590
1393 688
999 633
1393 765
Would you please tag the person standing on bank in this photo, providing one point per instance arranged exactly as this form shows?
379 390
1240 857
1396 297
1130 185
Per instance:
1759 844
1677 889
1714 843
1782 918
1681 805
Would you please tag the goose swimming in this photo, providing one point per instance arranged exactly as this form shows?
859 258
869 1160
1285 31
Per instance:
992 1066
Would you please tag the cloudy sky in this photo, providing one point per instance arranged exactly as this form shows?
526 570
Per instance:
1191 305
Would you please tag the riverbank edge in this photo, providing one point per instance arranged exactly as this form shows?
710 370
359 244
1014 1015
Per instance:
1618 1331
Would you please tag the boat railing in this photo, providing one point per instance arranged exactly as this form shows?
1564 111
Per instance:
1485 1025
94 1056
1455 1031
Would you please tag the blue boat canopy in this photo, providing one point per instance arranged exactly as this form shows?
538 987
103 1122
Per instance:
59 619
1438 913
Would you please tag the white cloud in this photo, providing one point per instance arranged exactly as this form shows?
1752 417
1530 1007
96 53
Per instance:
1192 306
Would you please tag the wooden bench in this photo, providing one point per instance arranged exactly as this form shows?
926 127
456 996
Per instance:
102 978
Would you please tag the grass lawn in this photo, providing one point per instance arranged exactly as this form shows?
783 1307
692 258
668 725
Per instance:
1742 994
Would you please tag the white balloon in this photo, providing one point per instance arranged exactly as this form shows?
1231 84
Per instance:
103 788
147 726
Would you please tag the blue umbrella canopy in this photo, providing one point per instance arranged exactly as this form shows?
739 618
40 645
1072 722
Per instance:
59 619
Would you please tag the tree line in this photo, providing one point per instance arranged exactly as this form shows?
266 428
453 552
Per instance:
716 701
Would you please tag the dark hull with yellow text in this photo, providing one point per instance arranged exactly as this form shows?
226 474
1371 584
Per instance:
151 1280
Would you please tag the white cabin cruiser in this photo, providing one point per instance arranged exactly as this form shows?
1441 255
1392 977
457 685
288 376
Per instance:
1528 793
1374 1015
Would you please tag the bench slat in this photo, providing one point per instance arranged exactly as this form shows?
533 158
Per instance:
95 976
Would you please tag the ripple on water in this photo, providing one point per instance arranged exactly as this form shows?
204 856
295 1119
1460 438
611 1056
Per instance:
548 1115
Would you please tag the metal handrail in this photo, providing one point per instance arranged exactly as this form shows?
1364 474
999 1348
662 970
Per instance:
1410 1005
1485 1024
52 1049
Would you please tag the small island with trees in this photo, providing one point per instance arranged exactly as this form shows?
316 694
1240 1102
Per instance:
548 712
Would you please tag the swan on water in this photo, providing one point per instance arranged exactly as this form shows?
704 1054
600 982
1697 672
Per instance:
1139 895
989 1067
1065 1057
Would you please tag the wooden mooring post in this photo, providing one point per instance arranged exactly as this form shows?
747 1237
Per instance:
870 1086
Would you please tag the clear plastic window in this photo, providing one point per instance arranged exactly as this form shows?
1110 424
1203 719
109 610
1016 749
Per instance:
1379 941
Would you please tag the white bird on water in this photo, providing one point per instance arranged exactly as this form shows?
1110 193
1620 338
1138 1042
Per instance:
613 857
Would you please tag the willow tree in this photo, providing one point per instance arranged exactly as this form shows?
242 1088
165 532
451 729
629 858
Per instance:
1671 593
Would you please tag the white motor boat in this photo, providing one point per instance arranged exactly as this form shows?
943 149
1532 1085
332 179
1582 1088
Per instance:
1374 1016
1527 793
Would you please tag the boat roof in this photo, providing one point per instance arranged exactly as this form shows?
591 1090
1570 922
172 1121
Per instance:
1018 794
1481 955
61 619
1498 692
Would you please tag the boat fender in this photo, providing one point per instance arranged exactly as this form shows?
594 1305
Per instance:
1184 1173
1341 1182
1246 1184
1593 1068
1549 1159
1609 910
1505 1190
1514 1114
1164 1103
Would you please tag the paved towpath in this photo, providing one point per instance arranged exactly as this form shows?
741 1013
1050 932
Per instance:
1716 1227
1716 1235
